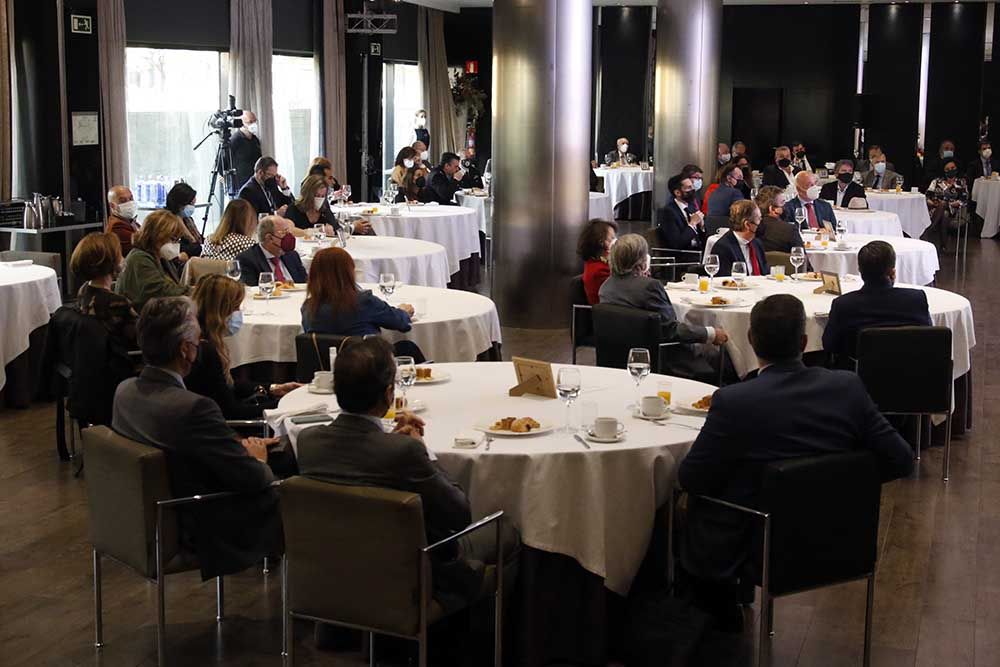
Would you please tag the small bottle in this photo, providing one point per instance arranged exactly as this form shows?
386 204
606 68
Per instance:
333 356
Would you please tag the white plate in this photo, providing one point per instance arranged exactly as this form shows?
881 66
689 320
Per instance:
804 279
436 377
688 406
313 389
485 428
261 297
707 303
742 288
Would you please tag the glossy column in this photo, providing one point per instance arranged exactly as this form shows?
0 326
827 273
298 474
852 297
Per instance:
541 146
688 44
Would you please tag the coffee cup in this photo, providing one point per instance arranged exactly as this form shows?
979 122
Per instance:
606 428
323 380
690 279
652 406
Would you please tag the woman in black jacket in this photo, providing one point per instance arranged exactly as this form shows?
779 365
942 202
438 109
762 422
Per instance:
180 202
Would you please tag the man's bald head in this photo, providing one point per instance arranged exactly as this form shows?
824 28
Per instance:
805 180
118 194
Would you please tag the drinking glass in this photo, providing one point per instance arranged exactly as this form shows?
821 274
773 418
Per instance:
233 269
568 388
841 231
798 258
319 231
406 374
387 284
665 390
739 273
348 229
638 366
899 184
346 192
266 285
800 216
711 268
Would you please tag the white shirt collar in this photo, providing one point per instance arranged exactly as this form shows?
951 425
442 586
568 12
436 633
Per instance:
267 253
681 203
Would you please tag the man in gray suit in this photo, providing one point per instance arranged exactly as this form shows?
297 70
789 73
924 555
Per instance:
204 455
355 450
880 176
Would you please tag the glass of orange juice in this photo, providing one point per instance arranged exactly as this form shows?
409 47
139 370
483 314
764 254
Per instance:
703 284
664 389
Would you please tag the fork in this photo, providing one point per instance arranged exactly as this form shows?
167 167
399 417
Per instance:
489 439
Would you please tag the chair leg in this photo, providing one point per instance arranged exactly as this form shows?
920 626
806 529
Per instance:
946 464
220 599
770 616
161 617
764 635
61 429
286 620
267 566
371 649
421 651
920 431
72 438
98 622
498 600
870 605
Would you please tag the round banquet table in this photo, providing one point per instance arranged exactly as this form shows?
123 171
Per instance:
451 325
28 296
947 309
600 208
412 261
596 506
621 183
986 194
911 207
870 221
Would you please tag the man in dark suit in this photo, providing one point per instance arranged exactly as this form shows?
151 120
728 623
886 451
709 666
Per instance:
877 304
267 191
678 225
274 253
471 178
800 159
782 172
822 411
982 166
354 450
844 189
445 180
740 244
818 211
203 454
774 233
244 149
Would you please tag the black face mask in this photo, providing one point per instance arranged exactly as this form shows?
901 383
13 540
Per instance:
270 182
846 177
784 162
800 154
688 196
950 173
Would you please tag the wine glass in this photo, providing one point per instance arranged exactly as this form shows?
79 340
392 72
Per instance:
638 366
345 192
711 268
841 232
387 284
233 269
319 231
739 273
800 217
266 285
798 258
406 374
568 388
348 228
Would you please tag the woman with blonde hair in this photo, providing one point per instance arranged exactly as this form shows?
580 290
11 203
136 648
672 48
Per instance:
95 262
235 233
312 208
218 299
149 270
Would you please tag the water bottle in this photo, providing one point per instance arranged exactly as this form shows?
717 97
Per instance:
161 191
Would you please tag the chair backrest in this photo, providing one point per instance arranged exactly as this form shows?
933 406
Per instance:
125 479
353 553
582 317
881 353
617 329
824 512
53 260
196 267
312 352
776 258
713 223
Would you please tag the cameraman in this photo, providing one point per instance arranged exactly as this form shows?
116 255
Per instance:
267 190
946 195
244 146
472 177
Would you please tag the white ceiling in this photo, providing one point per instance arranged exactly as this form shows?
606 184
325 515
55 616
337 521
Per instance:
456 5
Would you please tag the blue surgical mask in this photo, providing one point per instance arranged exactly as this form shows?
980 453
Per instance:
234 323
880 168
188 211
697 183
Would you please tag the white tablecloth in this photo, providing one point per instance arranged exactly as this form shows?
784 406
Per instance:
596 506
870 221
986 194
28 295
413 261
947 309
916 260
911 207
451 325
454 227
600 208
622 183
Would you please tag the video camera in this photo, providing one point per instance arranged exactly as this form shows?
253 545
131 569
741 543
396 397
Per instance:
227 119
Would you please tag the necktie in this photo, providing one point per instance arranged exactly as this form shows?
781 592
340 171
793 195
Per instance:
754 262
878 179
813 224
279 276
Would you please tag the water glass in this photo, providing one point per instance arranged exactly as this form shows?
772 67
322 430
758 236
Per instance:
711 268
800 216
319 232
233 269
739 273
345 191
406 374
568 388
638 367
266 285
387 284
798 258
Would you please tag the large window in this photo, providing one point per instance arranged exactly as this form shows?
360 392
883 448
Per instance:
296 116
403 97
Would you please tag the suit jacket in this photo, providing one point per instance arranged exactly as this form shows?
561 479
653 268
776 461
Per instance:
829 193
773 176
741 436
776 235
253 263
729 251
264 198
369 318
874 305
615 156
977 170
674 231
442 188
245 152
722 199
822 208
204 455
648 294
888 181
355 451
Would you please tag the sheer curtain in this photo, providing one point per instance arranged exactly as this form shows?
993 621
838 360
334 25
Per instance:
114 121
334 89
250 47
441 119
6 108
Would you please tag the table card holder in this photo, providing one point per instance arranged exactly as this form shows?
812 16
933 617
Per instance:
533 377
831 284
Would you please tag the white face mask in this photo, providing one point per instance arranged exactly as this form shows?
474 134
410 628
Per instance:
880 168
408 164
127 210
318 202
987 153
623 148
725 157
697 183
425 155
421 121
254 129
170 251
813 192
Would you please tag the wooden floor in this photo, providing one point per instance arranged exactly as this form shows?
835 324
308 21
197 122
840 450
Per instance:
937 599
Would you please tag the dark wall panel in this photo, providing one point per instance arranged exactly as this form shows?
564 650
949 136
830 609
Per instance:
196 24
83 94
954 76
293 22
624 48
468 35
991 86
403 45
892 75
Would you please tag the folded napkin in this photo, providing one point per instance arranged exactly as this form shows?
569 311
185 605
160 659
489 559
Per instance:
18 262
277 419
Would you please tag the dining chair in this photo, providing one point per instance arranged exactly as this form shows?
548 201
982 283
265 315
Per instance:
816 525
312 353
664 259
357 557
617 329
196 267
776 258
714 223
927 391
581 329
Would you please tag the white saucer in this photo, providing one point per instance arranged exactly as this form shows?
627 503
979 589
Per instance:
313 389
639 415
606 441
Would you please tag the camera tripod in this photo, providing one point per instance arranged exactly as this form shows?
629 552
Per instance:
222 166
